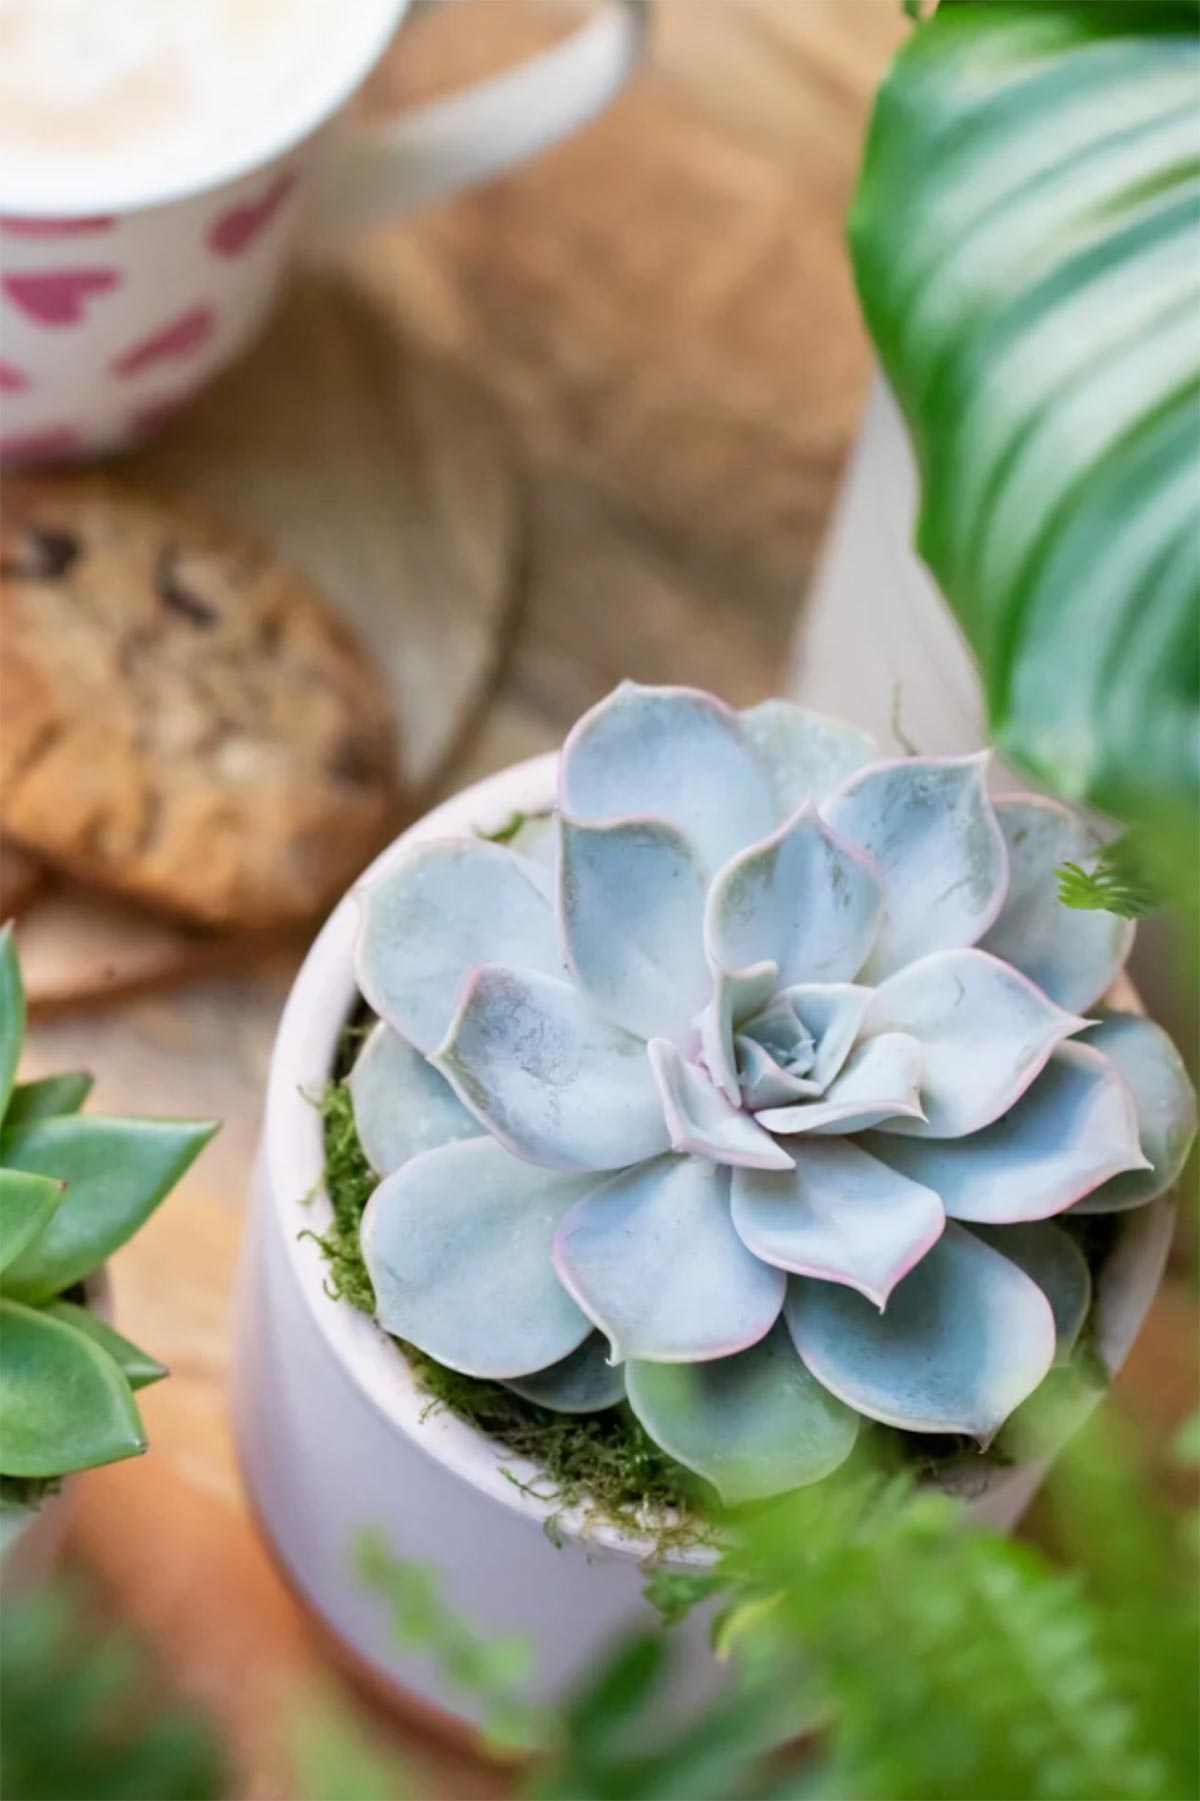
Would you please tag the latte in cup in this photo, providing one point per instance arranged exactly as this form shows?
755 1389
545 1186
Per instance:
100 89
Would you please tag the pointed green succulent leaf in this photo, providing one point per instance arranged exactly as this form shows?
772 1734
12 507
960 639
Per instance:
64 1404
137 1366
47 1098
1024 239
116 1171
27 1204
12 1015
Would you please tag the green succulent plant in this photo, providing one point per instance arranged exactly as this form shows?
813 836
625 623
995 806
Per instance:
73 1189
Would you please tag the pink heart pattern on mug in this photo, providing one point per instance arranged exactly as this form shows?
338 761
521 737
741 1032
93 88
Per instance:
181 337
58 297
236 230
12 381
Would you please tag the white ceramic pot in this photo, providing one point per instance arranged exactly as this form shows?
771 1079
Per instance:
333 1431
31 1539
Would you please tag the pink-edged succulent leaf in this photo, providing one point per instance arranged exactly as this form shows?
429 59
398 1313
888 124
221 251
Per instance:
824 1016
1166 1110
653 1259
765 1082
402 1106
1071 1130
458 1245
584 1382
880 1081
930 828
840 1216
985 1032
548 1077
441 910
965 1338
1058 1266
736 997
631 902
1072 955
807 754
676 754
753 1425
702 1122
802 900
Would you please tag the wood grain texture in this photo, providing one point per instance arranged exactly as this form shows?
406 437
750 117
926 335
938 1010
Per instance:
658 318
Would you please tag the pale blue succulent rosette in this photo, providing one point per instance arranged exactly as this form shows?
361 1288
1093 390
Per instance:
750 1090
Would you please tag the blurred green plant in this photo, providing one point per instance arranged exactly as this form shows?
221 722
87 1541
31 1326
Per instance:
940 1664
1026 243
924 1662
72 1191
876 1651
83 1718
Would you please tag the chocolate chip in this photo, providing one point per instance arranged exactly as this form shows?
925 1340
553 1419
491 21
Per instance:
353 761
42 553
176 595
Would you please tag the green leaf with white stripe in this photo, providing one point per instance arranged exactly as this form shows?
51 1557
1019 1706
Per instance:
1026 241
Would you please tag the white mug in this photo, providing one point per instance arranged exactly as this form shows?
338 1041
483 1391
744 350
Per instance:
119 307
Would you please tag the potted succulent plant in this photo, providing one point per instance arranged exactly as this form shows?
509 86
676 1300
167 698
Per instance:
73 1189
717 1081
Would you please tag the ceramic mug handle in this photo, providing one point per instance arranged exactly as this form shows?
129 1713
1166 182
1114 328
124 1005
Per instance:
435 149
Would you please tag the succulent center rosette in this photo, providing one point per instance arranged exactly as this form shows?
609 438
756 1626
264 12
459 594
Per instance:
748 1088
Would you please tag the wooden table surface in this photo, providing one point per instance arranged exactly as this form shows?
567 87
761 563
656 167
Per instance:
661 311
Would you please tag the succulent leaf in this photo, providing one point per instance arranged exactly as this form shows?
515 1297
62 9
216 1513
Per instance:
807 754
458 1246
47 1097
116 1172
1070 1131
12 1015
548 1078
930 828
631 901
1072 956
700 1119
667 752
965 1338
402 1106
753 1424
1166 1110
985 1032
439 913
654 1261
583 1382
26 1205
880 1082
801 900
64 1404
841 1215
139 1369
1057 1265
736 997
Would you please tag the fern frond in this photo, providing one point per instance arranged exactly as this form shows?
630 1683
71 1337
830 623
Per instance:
1116 883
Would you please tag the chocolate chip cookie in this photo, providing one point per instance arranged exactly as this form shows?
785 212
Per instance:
183 719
